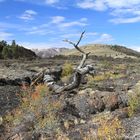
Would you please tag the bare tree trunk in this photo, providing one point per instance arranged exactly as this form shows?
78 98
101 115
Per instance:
81 70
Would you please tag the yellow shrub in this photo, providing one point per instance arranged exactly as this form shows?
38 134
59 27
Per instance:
104 76
67 69
110 129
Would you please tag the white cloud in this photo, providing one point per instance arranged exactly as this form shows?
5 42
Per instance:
103 4
39 32
73 23
51 1
104 38
121 3
61 22
125 20
28 15
84 19
124 11
5 35
78 34
80 22
57 19
41 2
57 25
90 4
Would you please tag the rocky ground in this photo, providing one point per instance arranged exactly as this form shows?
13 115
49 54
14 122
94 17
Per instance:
99 109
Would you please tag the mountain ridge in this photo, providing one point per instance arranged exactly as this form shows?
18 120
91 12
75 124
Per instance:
115 51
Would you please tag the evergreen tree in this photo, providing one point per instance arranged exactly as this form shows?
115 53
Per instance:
5 52
13 43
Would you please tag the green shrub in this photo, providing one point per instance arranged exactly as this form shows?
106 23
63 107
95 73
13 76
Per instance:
67 69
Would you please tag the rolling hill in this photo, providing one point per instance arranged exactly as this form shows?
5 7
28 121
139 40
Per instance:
114 51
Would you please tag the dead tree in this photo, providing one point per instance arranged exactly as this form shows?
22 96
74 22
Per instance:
81 70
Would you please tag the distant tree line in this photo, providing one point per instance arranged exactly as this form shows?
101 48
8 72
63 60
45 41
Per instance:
14 51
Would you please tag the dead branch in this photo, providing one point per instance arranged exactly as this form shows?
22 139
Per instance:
79 72
85 55
37 78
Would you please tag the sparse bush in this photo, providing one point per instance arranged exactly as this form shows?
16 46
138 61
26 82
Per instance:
41 105
134 100
109 128
67 69
104 76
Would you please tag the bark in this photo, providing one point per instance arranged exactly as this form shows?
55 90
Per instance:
81 70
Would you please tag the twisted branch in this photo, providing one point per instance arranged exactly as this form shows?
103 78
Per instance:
79 72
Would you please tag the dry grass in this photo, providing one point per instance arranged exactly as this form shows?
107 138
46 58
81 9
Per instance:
134 100
98 50
109 128
104 76
67 69
45 111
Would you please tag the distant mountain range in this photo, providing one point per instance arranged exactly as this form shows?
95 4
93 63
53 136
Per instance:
50 52
114 51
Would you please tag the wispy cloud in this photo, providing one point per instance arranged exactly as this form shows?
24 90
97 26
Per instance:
55 25
5 35
125 20
71 35
104 38
90 4
57 19
28 15
104 4
51 1
61 22
40 2
39 32
73 23
123 11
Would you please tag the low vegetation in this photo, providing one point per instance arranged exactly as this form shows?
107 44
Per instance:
43 109
134 100
109 128
114 51
67 69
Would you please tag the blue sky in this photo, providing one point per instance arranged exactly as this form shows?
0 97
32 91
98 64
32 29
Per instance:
45 23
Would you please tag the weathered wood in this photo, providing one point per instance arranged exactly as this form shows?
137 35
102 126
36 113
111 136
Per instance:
81 70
